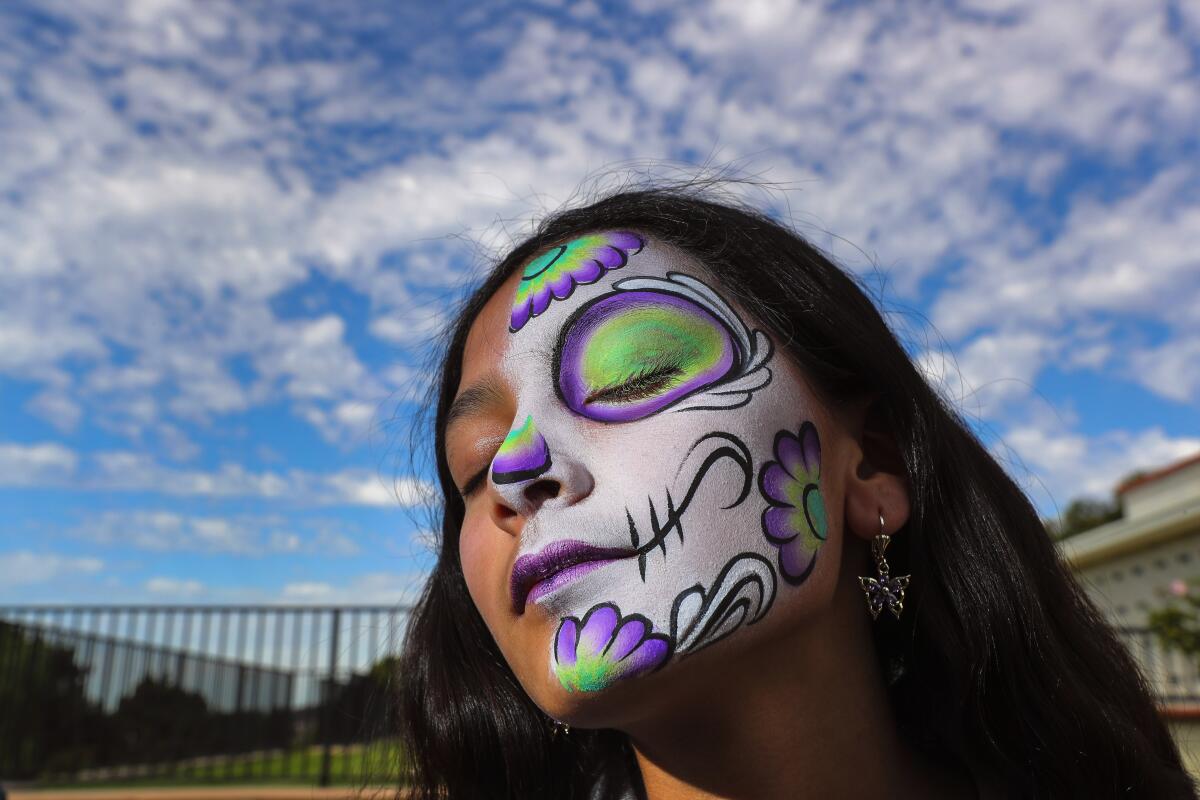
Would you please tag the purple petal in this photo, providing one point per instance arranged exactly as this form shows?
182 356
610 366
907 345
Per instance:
795 561
632 632
646 657
520 314
588 271
561 284
564 642
775 481
540 298
598 627
812 449
610 257
789 453
779 524
629 242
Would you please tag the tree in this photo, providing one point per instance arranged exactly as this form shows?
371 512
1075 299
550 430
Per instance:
1083 514
1177 624
47 720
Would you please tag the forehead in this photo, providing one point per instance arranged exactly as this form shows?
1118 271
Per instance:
542 294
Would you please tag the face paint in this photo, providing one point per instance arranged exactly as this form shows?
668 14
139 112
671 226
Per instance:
794 520
627 355
554 274
670 549
605 647
522 456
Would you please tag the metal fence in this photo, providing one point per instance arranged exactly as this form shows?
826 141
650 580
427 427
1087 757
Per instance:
1173 676
97 694
208 693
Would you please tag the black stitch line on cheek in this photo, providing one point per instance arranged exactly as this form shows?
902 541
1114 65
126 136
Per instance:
740 454
635 539
671 515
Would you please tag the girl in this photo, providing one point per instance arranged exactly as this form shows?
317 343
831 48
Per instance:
674 443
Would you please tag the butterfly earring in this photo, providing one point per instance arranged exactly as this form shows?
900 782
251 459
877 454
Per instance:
884 590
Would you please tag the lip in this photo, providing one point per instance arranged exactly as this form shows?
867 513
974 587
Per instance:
555 565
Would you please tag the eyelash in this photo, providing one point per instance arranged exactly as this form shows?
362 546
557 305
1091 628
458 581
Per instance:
641 384
649 379
474 483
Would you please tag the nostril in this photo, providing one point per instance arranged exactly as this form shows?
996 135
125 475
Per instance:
539 492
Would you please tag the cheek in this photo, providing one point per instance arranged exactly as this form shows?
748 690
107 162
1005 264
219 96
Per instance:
483 554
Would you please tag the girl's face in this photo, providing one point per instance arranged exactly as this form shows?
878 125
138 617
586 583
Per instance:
646 477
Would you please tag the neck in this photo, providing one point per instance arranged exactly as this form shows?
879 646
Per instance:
797 721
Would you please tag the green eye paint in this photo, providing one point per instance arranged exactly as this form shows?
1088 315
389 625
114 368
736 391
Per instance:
670 342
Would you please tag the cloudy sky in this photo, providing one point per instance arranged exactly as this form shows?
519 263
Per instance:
227 231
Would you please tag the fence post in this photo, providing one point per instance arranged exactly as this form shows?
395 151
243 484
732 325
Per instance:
327 711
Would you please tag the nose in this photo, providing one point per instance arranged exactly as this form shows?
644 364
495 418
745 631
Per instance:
527 476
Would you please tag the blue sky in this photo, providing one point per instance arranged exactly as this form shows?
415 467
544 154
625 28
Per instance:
228 231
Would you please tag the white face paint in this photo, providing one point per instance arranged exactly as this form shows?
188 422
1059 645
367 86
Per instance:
642 390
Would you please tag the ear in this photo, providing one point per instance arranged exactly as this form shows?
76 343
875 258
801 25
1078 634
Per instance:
875 478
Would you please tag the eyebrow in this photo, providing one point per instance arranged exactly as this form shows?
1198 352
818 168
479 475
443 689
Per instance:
479 398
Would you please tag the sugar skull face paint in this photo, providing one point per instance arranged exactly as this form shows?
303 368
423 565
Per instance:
794 520
679 470
655 343
555 273
522 455
605 647
629 354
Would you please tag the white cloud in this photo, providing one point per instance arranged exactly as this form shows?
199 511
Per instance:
1067 464
25 567
47 463
57 408
307 590
163 531
1171 370
53 465
174 588
138 268
991 371
377 588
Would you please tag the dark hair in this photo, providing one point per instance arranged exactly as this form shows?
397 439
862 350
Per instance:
1005 659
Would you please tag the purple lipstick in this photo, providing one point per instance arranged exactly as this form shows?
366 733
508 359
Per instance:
557 564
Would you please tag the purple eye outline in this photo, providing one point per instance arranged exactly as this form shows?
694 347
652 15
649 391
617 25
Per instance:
678 299
752 348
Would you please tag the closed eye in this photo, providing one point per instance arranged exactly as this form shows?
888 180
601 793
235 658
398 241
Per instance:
648 381
474 483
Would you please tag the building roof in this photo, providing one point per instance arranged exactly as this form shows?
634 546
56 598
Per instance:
1158 474
1156 507
1130 535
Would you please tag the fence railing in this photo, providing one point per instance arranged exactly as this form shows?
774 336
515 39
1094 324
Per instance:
94 694
1174 677
198 693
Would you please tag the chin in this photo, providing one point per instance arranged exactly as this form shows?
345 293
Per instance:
609 707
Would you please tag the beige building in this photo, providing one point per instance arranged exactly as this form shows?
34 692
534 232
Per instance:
1130 567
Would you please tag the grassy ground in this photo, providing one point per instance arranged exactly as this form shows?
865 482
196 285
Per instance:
250 792
376 764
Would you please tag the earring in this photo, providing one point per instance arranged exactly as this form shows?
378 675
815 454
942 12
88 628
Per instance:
558 728
883 590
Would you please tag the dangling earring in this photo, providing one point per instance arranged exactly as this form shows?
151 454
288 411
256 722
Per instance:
558 728
884 590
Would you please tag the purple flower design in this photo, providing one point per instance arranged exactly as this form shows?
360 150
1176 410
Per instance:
794 520
606 647
555 273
